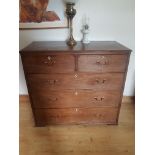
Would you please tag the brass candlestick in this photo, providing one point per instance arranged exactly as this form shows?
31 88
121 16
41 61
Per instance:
70 12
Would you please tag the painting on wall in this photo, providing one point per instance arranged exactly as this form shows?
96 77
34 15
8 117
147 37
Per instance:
42 14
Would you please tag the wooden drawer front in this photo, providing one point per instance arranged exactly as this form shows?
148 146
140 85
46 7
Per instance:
76 81
68 99
102 63
49 63
105 115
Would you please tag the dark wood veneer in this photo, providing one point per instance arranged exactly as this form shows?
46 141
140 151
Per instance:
80 85
106 115
49 63
57 46
75 99
107 81
102 63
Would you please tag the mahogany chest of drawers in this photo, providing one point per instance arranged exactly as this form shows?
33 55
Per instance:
80 85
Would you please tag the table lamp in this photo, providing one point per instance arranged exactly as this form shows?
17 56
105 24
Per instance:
70 12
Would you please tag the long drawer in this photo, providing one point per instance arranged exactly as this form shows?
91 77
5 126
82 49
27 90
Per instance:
48 63
105 115
107 81
77 98
102 63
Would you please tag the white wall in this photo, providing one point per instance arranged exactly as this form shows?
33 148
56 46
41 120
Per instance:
109 20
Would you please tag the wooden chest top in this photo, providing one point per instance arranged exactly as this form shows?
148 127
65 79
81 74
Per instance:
60 46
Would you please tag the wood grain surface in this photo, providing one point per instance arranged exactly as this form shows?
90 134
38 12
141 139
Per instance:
109 47
102 63
48 63
72 99
43 82
100 115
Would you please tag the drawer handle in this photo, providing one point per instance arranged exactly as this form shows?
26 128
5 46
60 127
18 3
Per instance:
97 81
50 60
52 81
102 98
100 82
102 61
50 57
54 99
99 115
99 99
99 62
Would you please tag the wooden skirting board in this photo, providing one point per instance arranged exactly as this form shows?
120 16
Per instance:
24 98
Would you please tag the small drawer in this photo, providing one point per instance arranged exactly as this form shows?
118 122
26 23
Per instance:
48 63
106 115
74 99
107 81
102 63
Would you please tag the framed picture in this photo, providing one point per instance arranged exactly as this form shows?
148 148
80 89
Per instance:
42 14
